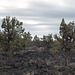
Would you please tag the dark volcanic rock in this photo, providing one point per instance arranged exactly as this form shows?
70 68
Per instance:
30 63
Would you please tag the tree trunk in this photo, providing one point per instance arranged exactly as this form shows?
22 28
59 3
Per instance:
67 59
9 49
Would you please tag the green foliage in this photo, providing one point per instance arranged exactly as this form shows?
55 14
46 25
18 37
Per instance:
67 32
67 38
36 41
26 39
47 41
13 38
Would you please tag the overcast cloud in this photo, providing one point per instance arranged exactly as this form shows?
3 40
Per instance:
40 17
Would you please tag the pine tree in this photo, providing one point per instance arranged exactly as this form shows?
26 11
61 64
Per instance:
11 28
66 34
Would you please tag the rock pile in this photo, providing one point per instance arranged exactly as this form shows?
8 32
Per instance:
29 63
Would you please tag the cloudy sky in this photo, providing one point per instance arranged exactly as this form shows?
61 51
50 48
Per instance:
40 17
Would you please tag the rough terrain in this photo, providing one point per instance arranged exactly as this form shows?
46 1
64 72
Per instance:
33 62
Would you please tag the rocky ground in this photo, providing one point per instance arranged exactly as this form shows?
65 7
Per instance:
34 63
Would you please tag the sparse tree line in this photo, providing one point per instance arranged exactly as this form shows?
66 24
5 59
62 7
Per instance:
13 38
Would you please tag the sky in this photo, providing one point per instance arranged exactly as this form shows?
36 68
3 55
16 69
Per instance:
39 17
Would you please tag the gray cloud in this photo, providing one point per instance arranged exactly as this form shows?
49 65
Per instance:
43 13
